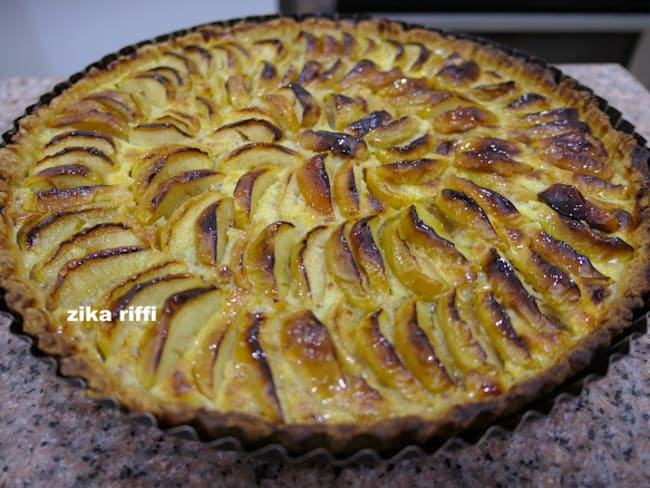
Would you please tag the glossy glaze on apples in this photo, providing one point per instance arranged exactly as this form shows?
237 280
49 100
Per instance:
350 230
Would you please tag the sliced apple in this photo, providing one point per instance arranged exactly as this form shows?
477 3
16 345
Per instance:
308 274
415 349
81 138
161 200
310 107
343 110
248 191
314 185
211 231
64 176
339 143
266 259
83 279
464 119
345 191
88 240
258 154
169 161
181 317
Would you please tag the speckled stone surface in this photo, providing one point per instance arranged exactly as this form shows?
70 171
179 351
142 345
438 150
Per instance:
51 435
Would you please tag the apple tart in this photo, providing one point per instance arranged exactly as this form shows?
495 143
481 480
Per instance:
340 233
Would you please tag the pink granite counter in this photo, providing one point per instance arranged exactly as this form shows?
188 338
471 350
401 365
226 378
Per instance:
51 435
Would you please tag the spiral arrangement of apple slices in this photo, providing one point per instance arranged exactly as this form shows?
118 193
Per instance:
337 222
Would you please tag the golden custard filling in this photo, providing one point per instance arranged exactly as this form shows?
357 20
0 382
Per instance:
330 223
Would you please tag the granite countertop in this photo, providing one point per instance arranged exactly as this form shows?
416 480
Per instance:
51 434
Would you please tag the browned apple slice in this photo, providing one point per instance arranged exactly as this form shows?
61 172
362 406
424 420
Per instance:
168 161
416 351
368 257
314 185
152 292
394 132
40 234
155 87
266 259
81 138
509 289
249 189
308 274
378 353
368 74
59 199
237 91
464 348
345 270
345 191
179 61
161 200
203 222
249 130
94 274
493 91
579 152
528 101
310 107
259 154
464 119
307 346
338 143
85 115
466 214
181 317
281 106
64 176
370 122
586 240
512 348
90 157
488 154
249 386
211 231
200 56
88 240
569 202
117 102
459 72
343 110
159 133
420 258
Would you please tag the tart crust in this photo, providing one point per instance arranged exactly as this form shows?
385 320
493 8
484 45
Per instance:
457 58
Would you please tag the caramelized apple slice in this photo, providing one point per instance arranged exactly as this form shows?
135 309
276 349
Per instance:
416 351
237 91
459 72
314 185
90 276
310 107
343 110
338 143
308 348
509 289
161 200
249 190
152 292
463 211
247 130
512 348
266 259
90 157
181 317
490 155
258 154
211 231
88 240
378 353
248 385
43 234
420 258
345 191
65 176
170 161
308 273
368 257
464 119
81 138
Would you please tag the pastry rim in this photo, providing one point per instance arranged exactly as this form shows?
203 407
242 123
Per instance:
253 431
